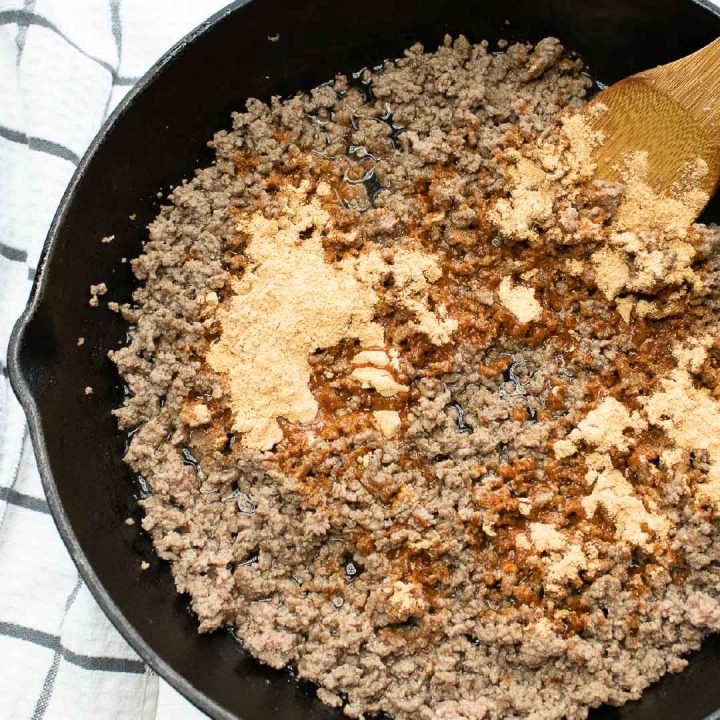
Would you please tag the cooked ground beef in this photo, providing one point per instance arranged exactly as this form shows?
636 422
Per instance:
522 533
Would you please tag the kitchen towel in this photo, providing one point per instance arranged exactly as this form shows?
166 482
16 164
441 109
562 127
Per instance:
64 65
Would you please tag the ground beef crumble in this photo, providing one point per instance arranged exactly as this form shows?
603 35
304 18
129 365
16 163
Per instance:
479 559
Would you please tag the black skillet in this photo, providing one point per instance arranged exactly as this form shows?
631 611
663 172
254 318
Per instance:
155 138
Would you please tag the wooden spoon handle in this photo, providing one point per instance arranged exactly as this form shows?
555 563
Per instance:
694 82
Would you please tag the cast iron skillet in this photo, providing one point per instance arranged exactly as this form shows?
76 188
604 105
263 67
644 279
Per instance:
155 138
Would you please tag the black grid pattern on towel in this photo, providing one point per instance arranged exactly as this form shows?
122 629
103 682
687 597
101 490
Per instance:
21 501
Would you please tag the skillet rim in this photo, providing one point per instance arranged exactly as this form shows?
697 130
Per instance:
26 399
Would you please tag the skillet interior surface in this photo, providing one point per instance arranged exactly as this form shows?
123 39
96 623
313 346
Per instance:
156 138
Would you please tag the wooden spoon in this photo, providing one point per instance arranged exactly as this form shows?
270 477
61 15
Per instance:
673 113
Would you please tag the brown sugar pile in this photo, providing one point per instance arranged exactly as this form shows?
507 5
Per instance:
291 302
427 415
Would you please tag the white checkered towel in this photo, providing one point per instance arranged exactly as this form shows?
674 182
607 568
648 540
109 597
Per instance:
64 64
